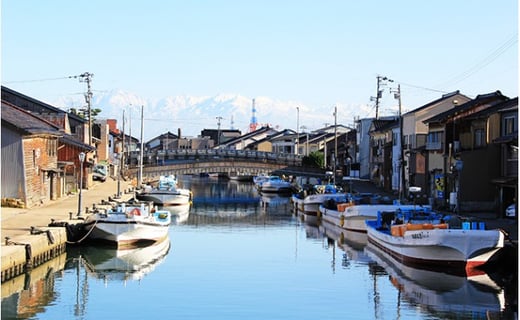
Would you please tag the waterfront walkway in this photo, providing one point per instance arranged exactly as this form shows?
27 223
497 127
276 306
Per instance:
18 221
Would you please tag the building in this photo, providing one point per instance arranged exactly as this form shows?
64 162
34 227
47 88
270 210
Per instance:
457 178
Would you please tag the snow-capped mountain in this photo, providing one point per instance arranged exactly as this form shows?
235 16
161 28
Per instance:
193 114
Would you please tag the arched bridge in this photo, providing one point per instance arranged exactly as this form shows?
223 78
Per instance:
228 162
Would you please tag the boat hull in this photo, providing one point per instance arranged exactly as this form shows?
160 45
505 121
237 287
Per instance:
311 203
166 198
120 230
354 216
458 250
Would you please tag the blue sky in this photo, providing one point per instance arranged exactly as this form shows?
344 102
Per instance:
317 53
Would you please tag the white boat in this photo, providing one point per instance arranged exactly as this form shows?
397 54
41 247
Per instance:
112 264
259 179
166 193
237 176
275 184
352 217
476 294
311 203
434 244
311 199
128 224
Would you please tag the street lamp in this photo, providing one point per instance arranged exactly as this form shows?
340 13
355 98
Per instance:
81 159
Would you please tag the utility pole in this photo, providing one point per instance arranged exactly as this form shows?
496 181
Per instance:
218 128
335 141
123 158
401 147
140 180
87 77
379 94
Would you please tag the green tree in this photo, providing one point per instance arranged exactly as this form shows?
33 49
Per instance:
83 112
315 159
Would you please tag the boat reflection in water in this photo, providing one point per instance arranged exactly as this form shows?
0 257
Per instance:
351 242
444 295
111 264
275 202
179 213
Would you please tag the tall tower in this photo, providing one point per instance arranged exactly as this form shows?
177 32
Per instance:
253 124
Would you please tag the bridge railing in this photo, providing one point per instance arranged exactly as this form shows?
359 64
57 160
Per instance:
163 157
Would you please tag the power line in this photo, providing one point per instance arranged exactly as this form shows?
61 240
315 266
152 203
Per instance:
482 63
41 80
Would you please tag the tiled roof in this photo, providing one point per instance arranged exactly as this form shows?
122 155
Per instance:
489 98
27 122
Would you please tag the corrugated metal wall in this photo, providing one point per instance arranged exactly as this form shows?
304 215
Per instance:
12 165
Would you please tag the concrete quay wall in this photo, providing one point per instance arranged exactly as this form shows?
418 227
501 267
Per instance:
24 252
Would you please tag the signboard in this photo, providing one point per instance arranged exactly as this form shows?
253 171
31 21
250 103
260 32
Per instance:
439 186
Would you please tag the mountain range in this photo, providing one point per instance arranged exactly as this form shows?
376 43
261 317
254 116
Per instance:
191 114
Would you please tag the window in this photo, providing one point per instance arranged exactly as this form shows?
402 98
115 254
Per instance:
509 125
51 148
434 140
479 138
435 137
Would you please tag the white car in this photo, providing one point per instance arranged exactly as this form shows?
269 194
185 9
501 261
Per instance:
511 211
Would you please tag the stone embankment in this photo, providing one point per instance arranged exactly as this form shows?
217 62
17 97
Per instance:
27 241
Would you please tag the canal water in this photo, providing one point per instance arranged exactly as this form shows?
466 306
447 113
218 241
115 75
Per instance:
237 255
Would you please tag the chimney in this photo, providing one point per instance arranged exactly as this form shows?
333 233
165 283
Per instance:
179 132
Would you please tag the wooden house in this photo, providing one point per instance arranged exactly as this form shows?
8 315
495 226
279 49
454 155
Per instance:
72 141
470 157
30 172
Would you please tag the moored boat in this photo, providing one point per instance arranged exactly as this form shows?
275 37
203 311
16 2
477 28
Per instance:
351 216
434 244
237 176
166 193
275 184
128 224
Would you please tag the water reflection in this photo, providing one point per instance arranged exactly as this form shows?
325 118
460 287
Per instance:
27 295
264 257
112 264
441 294
179 213
220 201
351 242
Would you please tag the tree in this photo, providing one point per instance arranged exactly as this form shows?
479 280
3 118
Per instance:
314 159
83 113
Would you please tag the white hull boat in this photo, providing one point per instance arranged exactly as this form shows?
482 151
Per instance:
275 184
436 245
166 193
128 225
171 197
312 203
352 217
